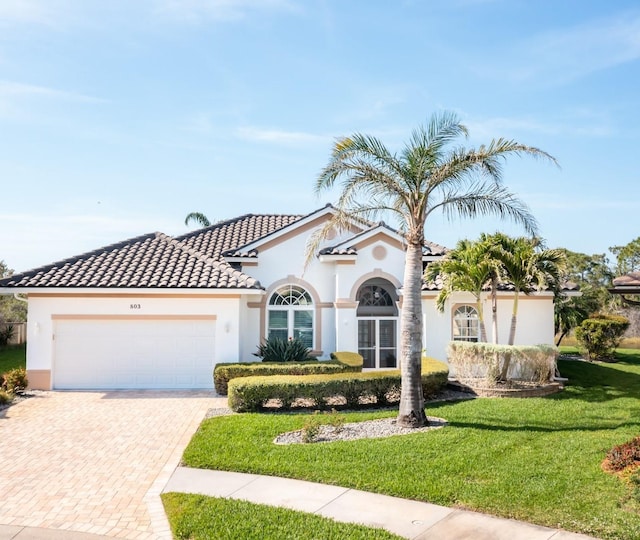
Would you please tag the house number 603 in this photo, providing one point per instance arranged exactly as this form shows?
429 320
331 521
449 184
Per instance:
134 306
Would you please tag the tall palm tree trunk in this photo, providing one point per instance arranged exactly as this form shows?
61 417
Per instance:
494 310
512 337
514 319
483 328
411 411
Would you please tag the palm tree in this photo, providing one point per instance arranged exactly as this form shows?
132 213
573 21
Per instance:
429 175
568 313
527 267
198 218
465 268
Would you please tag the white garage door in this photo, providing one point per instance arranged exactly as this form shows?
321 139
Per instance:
133 353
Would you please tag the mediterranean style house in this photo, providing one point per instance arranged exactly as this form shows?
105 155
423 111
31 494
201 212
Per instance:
159 312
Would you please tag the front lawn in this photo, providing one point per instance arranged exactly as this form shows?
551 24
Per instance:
13 356
196 517
536 459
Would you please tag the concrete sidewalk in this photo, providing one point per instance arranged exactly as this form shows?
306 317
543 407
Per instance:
409 519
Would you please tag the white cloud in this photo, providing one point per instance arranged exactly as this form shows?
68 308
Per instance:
279 136
25 11
9 89
572 123
567 54
219 10
54 14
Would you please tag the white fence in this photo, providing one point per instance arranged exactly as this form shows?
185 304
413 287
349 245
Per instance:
19 332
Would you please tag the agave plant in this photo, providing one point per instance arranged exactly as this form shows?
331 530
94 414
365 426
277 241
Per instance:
282 350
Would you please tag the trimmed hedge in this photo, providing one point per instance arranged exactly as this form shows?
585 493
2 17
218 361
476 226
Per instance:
223 373
351 359
375 387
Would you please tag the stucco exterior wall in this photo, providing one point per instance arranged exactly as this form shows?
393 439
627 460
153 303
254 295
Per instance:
330 281
534 320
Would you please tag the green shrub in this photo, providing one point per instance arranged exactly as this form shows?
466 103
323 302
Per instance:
601 334
223 373
336 421
375 387
484 361
311 428
15 381
332 421
5 397
282 350
6 333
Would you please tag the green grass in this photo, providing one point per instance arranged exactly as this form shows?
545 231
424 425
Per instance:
535 459
11 357
196 517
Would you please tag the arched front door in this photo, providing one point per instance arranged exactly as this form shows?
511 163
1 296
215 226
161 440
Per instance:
378 323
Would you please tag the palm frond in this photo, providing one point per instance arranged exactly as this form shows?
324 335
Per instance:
483 199
198 218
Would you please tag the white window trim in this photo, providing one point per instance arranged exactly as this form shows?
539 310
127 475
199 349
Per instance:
454 318
290 308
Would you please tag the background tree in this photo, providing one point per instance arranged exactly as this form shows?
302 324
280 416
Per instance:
593 275
198 218
568 313
11 310
430 174
627 257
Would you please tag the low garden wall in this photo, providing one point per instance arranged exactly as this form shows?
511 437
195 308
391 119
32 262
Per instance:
484 363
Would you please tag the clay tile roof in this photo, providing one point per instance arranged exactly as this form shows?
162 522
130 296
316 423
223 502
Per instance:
632 279
431 248
149 261
231 235
339 251
438 284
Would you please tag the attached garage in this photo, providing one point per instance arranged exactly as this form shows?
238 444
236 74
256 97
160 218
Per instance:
121 352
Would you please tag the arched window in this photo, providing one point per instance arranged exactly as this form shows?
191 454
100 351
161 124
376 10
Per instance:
466 325
290 314
377 298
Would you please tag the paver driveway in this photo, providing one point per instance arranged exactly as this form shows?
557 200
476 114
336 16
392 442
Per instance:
95 461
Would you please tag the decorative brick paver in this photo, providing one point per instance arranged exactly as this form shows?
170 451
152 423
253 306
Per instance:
95 462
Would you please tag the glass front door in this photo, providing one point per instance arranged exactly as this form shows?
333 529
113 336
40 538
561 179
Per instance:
377 342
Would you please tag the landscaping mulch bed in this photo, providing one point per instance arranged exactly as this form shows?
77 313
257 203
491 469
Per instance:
520 389
370 429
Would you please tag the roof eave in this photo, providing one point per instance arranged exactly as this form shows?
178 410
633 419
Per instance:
132 290
622 289
329 258
240 259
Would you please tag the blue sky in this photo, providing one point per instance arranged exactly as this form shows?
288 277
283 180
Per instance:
118 118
